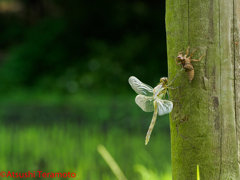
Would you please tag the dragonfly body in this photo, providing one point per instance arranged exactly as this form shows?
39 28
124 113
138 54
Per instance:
152 123
151 99
186 63
161 88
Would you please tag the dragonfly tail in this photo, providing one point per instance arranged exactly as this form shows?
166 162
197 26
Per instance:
152 123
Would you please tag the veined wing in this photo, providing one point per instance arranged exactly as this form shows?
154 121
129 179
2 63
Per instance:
157 90
140 87
164 106
145 103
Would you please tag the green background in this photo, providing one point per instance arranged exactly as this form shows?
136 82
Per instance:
64 69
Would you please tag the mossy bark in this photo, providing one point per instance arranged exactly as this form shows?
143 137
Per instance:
205 128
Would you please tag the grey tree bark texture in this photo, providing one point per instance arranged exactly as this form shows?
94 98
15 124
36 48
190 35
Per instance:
205 128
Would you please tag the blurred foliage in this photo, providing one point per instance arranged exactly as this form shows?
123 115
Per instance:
151 175
102 110
64 69
57 45
57 134
73 148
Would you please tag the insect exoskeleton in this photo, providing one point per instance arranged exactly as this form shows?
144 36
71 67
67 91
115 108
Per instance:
152 99
186 63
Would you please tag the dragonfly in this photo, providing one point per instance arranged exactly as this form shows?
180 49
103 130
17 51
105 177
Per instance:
152 99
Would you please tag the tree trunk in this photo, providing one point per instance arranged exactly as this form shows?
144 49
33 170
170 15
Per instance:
205 127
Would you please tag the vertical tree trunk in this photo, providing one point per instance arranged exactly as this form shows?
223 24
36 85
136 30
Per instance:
205 128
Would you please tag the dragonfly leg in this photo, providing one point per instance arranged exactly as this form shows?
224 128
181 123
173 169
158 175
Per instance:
173 87
177 63
172 80
180 53
192 53
165 94
177 102
173 100
187 50
199 58
168 95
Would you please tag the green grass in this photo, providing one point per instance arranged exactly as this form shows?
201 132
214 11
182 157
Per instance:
51 133
71 148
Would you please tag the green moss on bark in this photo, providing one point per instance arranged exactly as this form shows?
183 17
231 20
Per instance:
203 129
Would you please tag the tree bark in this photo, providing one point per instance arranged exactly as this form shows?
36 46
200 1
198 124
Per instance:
205 128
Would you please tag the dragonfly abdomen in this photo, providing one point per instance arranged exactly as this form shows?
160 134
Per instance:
152 123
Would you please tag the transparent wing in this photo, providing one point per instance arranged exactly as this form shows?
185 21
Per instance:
140 87
164 106
145 103
157 90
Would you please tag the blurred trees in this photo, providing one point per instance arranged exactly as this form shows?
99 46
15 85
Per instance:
70 46
60 47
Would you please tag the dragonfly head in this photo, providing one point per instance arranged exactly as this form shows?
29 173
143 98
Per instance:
164 80
180 58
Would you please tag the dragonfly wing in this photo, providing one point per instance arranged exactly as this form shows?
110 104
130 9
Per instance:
140 87
164 106
157 90
145 103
